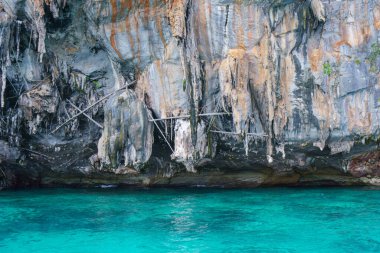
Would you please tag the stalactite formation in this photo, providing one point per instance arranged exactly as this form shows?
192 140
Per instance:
175 92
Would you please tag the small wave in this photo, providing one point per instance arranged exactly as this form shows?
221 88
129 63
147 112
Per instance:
106 186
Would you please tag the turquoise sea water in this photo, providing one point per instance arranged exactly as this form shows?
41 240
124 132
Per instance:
191 220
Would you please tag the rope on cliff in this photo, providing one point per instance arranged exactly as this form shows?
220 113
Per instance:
89 107
85 114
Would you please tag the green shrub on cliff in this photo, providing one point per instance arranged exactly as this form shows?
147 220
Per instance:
372 57
327 70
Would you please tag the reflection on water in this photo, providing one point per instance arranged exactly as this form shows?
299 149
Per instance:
195 220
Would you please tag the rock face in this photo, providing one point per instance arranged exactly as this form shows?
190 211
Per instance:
127 135
37 103
184 92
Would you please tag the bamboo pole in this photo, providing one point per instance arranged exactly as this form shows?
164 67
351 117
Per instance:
174 117
4 175
214 114
85 114
224 132
159 129
258 135
188 116
234 133
212 120
38 153
89 107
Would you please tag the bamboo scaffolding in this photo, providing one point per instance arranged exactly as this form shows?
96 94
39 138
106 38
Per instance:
212 120
159 129
85 114
89 107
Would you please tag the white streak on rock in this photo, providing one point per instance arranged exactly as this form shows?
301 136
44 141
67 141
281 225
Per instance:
319 10
184 151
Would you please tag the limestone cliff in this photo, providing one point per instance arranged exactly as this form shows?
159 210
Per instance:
189 92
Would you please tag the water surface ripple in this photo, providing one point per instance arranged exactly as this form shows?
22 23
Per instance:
190 220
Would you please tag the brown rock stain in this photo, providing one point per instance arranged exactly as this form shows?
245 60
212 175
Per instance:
72 50
286 80
366 164
315 57
176 14
129 35
147 14
136 23
163 95
159 24
113 28
261 53
126 5
354 31
376 17
201 28
321 107
359 117
237 18
234 80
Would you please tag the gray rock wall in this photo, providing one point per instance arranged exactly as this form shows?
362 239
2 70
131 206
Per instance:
295 85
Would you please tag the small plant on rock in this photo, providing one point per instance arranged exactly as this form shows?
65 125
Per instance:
327 69
372 57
